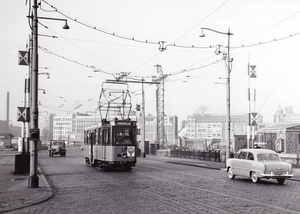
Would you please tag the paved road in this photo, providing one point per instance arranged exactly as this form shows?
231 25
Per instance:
154 186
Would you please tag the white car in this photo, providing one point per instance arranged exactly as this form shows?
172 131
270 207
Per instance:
259 163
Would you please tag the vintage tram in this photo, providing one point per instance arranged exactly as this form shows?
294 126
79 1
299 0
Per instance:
111 144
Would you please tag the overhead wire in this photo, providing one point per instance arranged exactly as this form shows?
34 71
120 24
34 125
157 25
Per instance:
81 48
74 61
197 68
173 44
268 28
131 38
266 42
197 25
161 43
102 31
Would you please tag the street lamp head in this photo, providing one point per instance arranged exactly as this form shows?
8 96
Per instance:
217 51
44 91
202 35
66 26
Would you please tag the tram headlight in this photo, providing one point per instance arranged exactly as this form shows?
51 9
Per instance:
124 155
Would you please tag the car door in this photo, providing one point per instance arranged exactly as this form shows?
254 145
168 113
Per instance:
248 164
238 164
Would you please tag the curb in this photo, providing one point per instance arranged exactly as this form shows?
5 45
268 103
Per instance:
215 168
44 196
195 165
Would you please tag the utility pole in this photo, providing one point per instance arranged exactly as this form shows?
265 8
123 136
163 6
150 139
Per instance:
24 122
33 181
228 118
143 121
229 66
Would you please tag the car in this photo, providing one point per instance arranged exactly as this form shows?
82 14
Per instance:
57 147
257 164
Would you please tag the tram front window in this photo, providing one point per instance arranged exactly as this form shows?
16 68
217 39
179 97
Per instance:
124 135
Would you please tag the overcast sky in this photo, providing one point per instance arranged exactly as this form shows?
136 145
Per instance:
265 34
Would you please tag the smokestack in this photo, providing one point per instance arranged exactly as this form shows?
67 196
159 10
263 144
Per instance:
7 112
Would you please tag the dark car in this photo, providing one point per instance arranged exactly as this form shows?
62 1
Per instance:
57 147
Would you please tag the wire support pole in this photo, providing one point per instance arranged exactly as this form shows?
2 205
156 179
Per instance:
33 181
228 118
228 65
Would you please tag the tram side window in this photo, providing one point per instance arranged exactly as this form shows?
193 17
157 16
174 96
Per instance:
86 138
93 139
99 131
105 136
96 137
89 138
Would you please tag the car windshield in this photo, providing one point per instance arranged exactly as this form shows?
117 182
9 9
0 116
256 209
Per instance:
57 143
268 157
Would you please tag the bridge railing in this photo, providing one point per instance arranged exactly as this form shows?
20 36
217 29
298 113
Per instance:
196 154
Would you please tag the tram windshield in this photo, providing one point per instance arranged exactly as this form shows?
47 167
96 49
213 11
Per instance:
124 135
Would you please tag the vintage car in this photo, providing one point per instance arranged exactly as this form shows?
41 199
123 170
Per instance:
257 164
57 147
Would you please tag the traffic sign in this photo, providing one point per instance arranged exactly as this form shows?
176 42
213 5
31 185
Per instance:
23 58
252 71
254 119
23 114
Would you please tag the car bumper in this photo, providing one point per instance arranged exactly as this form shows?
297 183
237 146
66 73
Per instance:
273 175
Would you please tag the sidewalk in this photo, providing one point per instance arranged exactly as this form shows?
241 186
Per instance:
14 190
15 193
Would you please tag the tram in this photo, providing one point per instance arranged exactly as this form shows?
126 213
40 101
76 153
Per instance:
111 144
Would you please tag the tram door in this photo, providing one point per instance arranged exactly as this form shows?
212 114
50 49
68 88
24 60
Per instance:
92 140
105 141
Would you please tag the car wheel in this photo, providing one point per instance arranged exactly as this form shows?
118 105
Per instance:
254 177
230 174
280 180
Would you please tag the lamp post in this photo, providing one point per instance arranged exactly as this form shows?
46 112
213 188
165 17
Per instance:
229 61
33 181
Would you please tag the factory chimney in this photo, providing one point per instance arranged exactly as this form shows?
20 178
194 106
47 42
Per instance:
7 113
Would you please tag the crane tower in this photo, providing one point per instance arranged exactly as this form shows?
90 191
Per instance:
160 106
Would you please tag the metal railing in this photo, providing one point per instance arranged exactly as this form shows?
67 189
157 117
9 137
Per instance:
196 154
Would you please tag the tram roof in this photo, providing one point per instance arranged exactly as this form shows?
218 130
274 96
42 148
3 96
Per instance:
111 123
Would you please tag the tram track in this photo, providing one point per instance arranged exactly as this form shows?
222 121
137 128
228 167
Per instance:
272 203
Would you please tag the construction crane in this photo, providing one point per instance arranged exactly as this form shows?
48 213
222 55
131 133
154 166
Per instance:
161 138
160 93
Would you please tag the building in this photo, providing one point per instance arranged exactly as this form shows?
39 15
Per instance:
79 122
283 138
71 127
208 131
286 117
62 127
5 127
5 140
170 129
44 124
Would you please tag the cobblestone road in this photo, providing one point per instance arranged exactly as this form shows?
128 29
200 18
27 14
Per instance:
158 189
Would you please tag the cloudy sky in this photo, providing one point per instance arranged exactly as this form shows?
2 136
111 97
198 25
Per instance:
121 36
